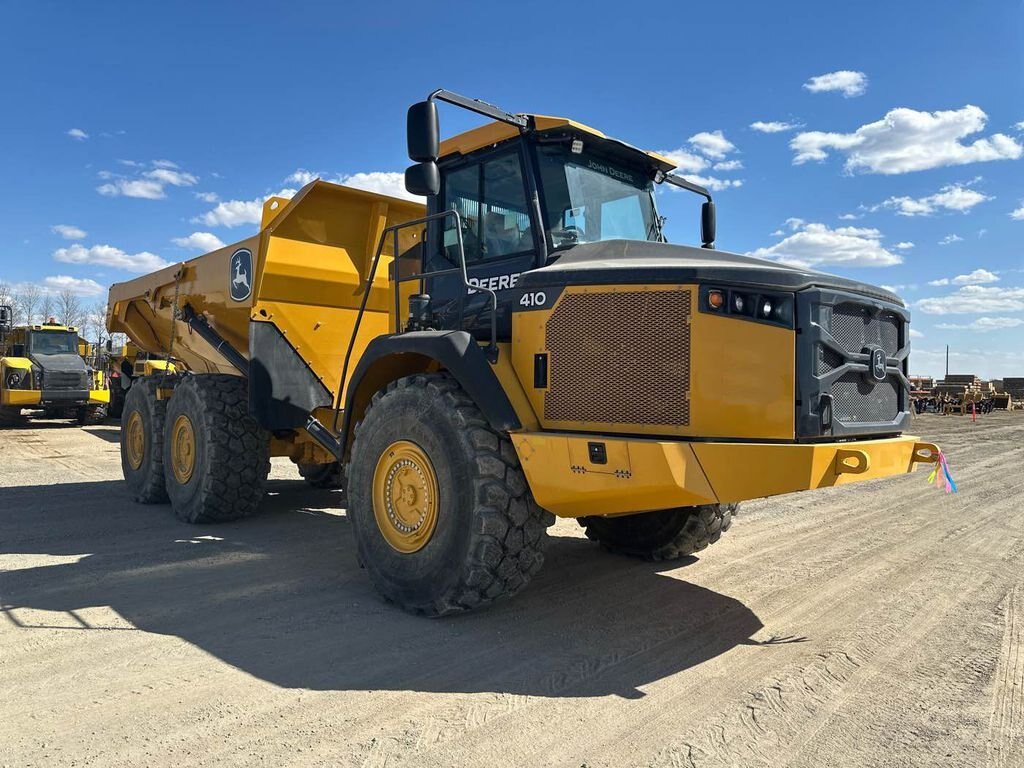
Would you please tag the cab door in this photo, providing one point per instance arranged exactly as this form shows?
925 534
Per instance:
499 238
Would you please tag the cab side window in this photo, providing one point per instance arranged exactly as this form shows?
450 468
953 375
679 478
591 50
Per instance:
491 199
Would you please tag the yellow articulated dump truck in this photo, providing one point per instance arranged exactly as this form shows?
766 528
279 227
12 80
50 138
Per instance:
525 345
42 371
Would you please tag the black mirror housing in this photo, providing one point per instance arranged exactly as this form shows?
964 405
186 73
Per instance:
6 318
423 132
423 179
707 224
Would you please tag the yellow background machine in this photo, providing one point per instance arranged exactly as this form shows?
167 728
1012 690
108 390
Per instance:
525 344
42 370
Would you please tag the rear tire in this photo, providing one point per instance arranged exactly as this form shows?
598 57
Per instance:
486 534
216 457
668 534
10 417
142 442
328 476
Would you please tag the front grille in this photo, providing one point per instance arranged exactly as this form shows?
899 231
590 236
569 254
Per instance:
56 380
620 358
856 326
855 399
836 332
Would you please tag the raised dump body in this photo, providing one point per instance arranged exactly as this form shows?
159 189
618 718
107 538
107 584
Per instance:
299 279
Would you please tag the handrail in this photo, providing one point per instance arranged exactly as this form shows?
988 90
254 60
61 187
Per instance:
399 279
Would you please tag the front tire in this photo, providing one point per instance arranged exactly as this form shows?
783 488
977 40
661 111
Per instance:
668 534
91 415
442 515
10 416
142 442
216 457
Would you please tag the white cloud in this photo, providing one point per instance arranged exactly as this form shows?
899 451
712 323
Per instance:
916 334
972 299
302 177
1019 126
903 246
172 177
200 241
983 324
79 286
977 277
69 232
78 134
729 165
845 81
1017 214
149 185
773 126
109 256
143 188
235 213
381 182
907 140
813 244
712 143
207 197
950 239
849 217
952 197
685 162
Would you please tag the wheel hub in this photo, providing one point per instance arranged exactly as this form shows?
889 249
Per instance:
405 496
135 440
183 449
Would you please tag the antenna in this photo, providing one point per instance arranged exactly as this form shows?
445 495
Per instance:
947 361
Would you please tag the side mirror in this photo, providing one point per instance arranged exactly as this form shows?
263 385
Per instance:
707 224
6 318
110 345
423 179
423 132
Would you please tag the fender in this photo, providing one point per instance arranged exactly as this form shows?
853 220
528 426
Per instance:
388 358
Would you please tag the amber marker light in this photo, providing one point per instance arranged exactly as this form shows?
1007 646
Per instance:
716 299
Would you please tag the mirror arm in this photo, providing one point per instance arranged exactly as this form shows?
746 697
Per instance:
481 108
678 181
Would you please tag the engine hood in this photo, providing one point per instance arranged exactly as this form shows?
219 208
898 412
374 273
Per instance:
637 261
60 363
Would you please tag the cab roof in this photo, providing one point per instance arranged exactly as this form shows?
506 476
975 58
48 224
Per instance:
496 132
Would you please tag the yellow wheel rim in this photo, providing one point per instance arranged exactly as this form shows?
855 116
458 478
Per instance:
405 496
183 449
135 440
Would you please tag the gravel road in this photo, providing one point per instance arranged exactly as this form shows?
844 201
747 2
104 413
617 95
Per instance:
874 625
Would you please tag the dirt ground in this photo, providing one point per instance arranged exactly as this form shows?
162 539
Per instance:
875 625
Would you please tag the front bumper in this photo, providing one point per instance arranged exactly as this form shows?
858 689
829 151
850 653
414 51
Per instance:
568 477
26 398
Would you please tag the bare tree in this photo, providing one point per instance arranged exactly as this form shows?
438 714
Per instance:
95 323
47 306
6 295
69 308
26 299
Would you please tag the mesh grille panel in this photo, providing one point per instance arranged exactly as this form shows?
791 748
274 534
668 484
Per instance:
620 358
65 380
828 360
855 327
855 399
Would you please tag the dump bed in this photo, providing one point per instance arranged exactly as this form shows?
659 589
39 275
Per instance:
303 273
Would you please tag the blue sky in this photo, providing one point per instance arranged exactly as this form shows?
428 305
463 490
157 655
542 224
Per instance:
135 134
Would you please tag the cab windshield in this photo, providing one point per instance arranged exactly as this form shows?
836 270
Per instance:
52 343
589 198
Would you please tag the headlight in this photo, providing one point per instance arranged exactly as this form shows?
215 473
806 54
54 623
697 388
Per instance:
14 379
773 308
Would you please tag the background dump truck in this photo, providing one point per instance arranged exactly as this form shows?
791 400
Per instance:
42 370
525 345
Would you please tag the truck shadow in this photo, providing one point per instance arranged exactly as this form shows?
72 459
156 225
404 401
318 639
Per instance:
281 597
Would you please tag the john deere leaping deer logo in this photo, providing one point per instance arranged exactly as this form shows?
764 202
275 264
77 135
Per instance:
241 274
